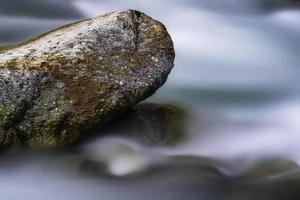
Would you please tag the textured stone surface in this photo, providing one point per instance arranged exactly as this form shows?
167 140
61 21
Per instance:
59 84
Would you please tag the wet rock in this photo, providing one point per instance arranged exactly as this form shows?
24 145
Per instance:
62 83
151 124
269 168
272 179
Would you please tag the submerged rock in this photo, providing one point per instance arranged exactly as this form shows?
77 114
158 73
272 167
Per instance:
270 168
269 179
151 124
62 83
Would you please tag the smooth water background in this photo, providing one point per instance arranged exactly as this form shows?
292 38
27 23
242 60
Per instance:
237 74
237 65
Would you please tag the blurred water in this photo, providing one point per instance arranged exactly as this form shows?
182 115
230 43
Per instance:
236 72
238 69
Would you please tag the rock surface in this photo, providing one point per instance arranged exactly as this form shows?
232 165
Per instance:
62 83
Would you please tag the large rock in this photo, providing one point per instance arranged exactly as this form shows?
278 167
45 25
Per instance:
62 83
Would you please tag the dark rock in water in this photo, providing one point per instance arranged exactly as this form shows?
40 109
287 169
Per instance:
271 179
269 168
151 124
40 8
59 84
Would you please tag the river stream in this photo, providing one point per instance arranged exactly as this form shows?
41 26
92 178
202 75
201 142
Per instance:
236 75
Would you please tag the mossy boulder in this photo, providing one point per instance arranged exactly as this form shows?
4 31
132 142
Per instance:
60 84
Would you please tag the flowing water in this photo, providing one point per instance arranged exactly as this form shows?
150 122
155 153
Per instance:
236 75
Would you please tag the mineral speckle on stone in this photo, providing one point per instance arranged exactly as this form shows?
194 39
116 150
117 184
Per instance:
60 84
